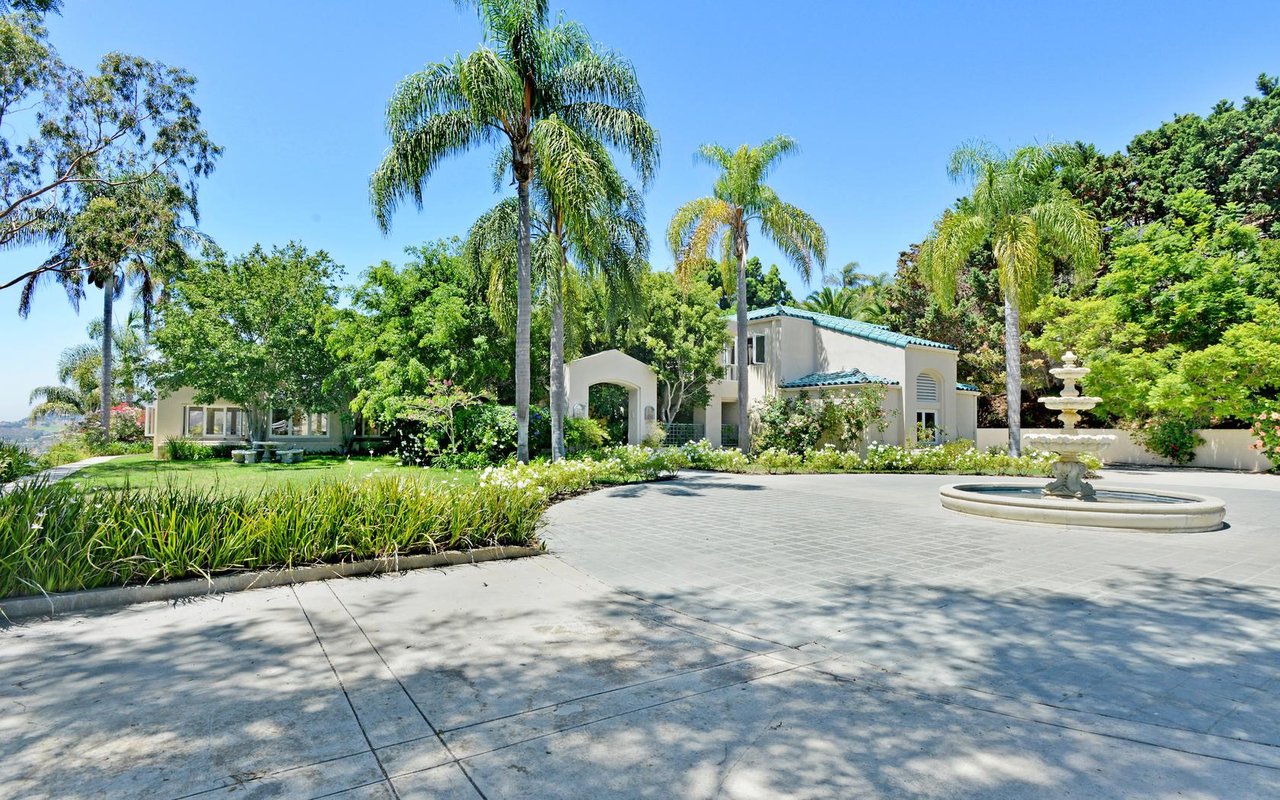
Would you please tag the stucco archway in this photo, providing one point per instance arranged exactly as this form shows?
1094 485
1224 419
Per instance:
616 367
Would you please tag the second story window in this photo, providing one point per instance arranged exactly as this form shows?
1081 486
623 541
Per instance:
755 348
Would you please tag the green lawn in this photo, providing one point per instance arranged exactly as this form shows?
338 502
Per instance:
143 470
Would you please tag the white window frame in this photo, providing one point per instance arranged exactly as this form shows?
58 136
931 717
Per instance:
300 424
757 352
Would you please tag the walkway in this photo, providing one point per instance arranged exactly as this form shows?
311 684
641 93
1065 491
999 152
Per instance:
55 473
761 637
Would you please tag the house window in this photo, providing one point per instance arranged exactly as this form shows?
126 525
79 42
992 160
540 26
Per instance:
927 427
297 422
195 421
215 422
755 348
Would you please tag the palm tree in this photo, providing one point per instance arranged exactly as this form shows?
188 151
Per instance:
842 302
740 198
609 241
128 232
849 277
1019 208
76 394
541 91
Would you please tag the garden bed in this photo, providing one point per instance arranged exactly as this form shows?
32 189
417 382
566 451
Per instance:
67 537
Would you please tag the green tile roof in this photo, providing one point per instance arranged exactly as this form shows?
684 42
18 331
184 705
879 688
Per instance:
967 387
848 377
863 330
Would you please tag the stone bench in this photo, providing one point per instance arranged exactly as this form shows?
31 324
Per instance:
244 456
289 456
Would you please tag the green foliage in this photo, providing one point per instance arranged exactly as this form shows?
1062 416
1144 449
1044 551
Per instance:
252 331
131 122
15 462
184 449
682 338
702 455
412 328
775 460
584 435
764 289
1173 438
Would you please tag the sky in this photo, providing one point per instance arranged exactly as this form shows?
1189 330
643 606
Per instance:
876 93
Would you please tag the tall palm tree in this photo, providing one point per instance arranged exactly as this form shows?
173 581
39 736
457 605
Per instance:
609 241
849 277
542 92
842 302
740 198
130 232
76 393
1017 207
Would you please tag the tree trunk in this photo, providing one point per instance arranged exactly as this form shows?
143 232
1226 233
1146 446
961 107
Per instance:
524 302
744 436
108 303
557 367
1013 373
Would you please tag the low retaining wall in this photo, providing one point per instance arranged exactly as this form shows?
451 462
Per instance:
1222 449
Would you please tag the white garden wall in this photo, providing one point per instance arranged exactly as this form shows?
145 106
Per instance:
1222 449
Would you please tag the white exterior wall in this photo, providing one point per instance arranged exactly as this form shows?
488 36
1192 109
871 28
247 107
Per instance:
170 418
967 415
941 365
1222 449
837 351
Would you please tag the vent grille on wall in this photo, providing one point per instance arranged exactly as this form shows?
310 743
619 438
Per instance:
926 389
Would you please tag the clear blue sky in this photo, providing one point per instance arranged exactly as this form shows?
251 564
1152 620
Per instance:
876 93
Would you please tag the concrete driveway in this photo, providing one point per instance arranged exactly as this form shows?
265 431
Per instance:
716 636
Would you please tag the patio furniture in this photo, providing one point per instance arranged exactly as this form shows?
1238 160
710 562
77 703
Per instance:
268 449
292 456
244 456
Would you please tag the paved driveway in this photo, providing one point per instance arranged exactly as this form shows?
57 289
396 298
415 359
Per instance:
758 637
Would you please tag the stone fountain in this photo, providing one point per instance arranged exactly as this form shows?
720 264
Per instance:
1069 471
1069 500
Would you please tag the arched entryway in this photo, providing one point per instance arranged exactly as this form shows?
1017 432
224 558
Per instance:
617 368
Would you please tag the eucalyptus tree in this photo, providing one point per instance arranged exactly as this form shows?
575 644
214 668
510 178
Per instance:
740 198
129 232
539 91
606 238
1018 208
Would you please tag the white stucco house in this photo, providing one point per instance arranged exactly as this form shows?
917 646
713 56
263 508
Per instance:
178 415
792 350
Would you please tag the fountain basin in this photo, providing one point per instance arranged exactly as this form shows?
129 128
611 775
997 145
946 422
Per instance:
1122 508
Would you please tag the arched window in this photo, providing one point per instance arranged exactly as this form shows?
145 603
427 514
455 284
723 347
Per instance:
926 389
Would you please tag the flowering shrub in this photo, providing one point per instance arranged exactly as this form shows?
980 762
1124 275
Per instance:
702 455
1173 438
776 460
1266 426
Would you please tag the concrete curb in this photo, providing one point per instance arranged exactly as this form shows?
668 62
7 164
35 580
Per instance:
51 605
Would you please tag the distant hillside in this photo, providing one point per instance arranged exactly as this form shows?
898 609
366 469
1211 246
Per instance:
39 437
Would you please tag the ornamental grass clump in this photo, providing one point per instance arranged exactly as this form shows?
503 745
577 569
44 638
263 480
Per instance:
60 537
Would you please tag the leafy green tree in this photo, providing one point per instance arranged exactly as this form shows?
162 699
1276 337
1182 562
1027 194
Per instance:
741 198
1182 323
411 329
764 289
682 338
131 121
253 330
1019 209
546 93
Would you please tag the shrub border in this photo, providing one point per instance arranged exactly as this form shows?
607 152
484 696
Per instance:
112 597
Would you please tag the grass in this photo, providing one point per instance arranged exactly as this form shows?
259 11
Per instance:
143 471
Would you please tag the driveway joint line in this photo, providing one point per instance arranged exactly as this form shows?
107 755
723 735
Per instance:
410 697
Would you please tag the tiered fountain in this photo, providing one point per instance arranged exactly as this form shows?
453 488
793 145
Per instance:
1069 499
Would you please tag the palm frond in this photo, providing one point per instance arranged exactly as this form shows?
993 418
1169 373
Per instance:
414 155
798 235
